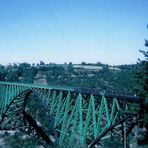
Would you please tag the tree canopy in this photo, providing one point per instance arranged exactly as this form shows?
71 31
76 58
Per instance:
142 87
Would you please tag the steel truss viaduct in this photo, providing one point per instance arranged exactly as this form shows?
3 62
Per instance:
79 118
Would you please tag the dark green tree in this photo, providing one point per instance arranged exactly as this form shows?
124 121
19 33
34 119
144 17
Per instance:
142 87
12 76
42 63
70 68
3 73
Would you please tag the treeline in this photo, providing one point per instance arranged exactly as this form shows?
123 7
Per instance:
121 80
23 72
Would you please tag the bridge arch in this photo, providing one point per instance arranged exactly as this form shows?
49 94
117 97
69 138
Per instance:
13 110
125 131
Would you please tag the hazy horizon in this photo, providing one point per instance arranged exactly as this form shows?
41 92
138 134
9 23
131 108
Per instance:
46 63
111 32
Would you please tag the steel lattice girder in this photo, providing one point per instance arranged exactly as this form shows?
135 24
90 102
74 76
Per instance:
76 119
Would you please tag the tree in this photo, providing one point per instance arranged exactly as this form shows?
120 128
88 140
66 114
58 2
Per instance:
3 73
42 63
83 63
12 76
70 68
142 87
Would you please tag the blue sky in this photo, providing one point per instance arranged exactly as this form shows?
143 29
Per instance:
109 31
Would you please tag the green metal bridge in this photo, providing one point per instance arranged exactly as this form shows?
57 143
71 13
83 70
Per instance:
79 117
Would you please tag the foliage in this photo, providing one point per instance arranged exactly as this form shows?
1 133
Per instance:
17 141
142 85
142 76
105 79
3 73
22 72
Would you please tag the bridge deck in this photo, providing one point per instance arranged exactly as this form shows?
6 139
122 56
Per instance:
76 90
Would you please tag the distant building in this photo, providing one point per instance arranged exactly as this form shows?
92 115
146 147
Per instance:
87 68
